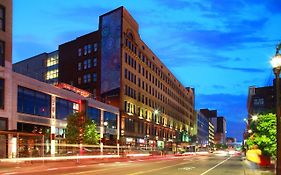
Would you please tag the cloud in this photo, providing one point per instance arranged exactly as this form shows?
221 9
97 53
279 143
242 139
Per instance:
232 107
248 70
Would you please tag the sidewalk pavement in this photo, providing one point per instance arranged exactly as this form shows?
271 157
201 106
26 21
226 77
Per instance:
252 169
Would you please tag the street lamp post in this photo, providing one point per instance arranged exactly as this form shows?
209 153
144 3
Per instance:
276 64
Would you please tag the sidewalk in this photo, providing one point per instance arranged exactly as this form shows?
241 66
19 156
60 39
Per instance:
250 169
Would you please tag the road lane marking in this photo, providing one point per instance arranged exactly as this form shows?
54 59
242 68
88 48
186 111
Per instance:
186 168
156 169
81 166
215 166
51 169
10 173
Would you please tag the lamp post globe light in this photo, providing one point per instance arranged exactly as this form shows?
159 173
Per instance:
276 64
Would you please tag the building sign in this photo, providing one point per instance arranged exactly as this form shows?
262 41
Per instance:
53 107
73 89
110 50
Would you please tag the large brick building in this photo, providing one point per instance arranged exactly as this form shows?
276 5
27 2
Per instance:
117 67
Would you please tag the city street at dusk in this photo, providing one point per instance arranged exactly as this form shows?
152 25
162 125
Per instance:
150 87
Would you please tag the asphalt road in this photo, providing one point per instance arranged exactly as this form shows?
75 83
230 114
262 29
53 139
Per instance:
191 165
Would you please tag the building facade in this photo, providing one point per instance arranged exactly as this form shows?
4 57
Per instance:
203 130
118 68
260 100
5 70
220 134
43 67
37 106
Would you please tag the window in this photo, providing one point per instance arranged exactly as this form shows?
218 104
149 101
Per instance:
94 114
2 98
79 52
33 102
87 63
65 108
94 77
79 66
95 47
2 53
85 50
2 18
52 61
89 48
79 80
95 62
52 74
87 78
111 118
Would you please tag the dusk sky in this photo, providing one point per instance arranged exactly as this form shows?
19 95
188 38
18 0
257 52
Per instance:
219 47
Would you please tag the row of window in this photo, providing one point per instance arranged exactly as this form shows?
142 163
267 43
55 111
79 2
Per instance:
149 76
88 78
148 115
130 76
87 49
140 127
172 83
52 61
87 63
38 103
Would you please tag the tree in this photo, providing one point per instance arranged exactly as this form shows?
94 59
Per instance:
80 129
264 134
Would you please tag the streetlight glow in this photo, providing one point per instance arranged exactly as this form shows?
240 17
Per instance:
254 117
156 112
276 61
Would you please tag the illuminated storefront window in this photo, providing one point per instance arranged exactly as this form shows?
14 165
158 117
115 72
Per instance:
111 118
64 108
94 114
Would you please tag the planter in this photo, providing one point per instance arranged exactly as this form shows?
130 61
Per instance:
265 161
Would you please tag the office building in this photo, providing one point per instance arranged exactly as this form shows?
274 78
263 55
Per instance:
31 110
42 67
260 100
202 130
118 68
5 71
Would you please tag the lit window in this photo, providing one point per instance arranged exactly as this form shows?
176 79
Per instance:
2 18
52 61
52 74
